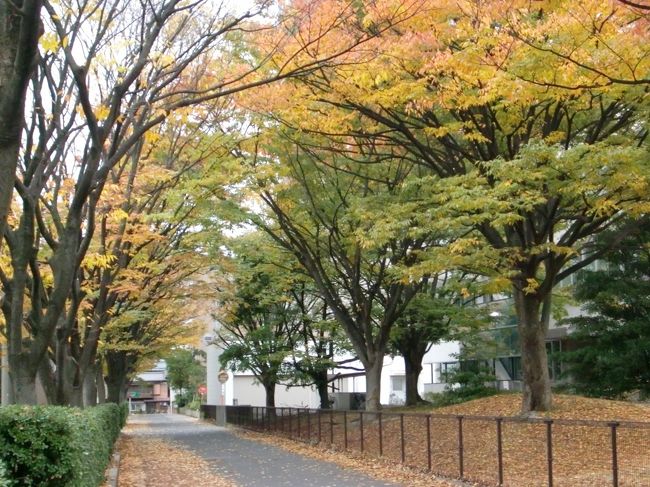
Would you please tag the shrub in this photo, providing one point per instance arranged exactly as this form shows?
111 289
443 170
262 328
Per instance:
194 404
55 446
464 385
4 480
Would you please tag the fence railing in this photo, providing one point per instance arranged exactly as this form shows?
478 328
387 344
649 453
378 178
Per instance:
484 449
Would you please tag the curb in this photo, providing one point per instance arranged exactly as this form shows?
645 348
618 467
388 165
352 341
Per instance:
113 472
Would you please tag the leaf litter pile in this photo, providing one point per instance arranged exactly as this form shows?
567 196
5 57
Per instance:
147 461
580 446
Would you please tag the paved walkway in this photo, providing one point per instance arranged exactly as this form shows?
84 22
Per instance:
248 463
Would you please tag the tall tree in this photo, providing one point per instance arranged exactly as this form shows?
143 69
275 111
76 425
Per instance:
613 353
318 344
104 81
185 372
439 312
524 174
318 214
257 317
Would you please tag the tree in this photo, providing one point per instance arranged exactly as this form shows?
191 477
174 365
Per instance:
437 313
318 214
185 372
612 340
257 317
525 175
104 80
317 344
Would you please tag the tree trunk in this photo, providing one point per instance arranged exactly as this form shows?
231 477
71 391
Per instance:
20 29
24 385
118 367
412 369
323 393
90 387
116 390
45 377
101 385
269 389
412 345
534 362
373 383
8 160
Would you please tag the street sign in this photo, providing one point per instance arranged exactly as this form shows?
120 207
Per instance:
223 376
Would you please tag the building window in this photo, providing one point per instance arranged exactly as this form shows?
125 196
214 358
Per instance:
397 383
512 366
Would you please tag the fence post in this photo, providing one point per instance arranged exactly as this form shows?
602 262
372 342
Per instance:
345 430
361 431
549 450
381 437
318 413
499 450
614 455
290 424
298 418
401 434
460 445
308 425
331 427
429 442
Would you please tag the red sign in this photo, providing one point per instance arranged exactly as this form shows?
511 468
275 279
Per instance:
203 390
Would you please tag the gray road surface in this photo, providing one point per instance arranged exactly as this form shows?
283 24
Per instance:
249 463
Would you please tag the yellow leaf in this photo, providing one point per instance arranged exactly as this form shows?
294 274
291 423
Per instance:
49 42
101 112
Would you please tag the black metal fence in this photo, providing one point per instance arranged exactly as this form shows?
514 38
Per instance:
484 449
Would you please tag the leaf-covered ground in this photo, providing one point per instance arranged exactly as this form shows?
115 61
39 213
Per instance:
379 468
149 461
581 451
564 407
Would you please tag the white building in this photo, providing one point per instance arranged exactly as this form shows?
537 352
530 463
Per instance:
241 388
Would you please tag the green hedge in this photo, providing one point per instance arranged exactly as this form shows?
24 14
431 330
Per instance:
54 446
4 479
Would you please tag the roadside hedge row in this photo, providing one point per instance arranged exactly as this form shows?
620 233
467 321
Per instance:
54 446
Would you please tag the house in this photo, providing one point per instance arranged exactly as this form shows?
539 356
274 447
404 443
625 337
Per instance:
149 392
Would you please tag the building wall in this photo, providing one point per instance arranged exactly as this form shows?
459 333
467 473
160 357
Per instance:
393 372
246 391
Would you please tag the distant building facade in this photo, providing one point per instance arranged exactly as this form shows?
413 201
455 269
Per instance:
149 392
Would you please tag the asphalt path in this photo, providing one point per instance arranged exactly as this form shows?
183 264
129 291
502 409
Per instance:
246 462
